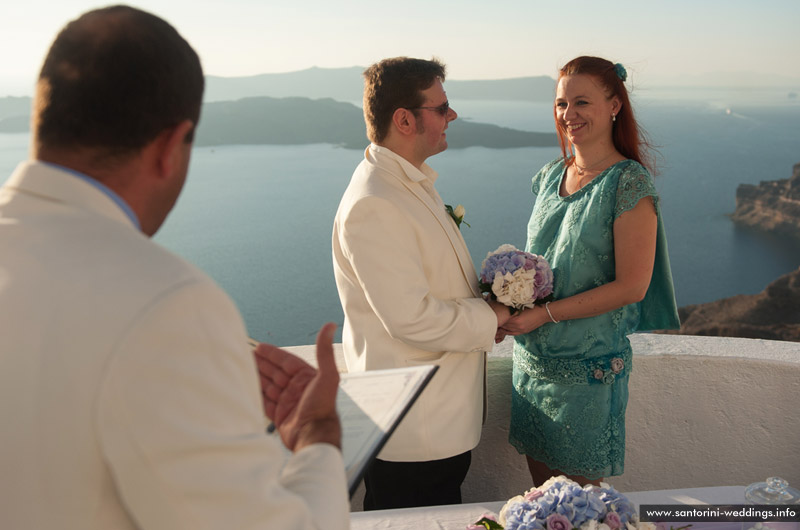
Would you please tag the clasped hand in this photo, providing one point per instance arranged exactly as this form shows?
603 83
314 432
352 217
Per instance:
523 322
299 399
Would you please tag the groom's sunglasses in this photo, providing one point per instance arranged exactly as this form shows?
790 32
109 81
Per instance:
442 109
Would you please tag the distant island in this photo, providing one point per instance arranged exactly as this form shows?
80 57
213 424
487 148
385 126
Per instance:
15 114
316 105
265 120
347 84
300 120
771 206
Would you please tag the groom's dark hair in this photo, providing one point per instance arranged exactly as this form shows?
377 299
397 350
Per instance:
392 84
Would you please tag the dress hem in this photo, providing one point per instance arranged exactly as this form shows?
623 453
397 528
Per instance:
550 463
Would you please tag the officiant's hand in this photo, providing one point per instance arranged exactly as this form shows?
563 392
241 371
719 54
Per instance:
299 399
525 321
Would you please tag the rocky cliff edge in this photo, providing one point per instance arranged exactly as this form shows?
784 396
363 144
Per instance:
772 314
772 206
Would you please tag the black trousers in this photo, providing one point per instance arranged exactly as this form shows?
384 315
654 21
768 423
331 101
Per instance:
408 484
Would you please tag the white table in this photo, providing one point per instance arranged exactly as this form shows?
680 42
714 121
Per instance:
457 517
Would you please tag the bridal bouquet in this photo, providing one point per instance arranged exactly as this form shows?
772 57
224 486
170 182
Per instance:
561 504
516 278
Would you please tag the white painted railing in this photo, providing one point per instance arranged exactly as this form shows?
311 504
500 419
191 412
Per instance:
703 411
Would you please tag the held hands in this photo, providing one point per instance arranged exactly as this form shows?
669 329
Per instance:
503 313
523 322
301 400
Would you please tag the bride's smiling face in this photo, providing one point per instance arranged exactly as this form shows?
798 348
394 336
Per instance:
583 110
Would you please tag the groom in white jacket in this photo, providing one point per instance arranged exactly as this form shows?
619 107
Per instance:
409 289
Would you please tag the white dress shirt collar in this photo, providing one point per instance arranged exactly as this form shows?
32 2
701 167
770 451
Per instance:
425 173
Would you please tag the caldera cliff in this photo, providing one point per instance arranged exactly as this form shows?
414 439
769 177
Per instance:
772 206
771 314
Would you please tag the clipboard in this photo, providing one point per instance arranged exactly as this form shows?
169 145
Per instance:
371 405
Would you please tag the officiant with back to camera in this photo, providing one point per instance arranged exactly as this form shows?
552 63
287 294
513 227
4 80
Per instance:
128 395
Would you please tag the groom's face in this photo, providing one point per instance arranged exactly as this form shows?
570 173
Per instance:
433 120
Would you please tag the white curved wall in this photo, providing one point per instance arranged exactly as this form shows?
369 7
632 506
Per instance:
703 411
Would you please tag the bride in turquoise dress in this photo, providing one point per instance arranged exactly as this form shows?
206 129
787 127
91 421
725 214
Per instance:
597 221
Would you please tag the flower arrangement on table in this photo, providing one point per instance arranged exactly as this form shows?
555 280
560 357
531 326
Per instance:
562 504
516 278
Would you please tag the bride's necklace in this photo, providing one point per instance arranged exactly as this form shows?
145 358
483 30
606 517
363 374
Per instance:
589 167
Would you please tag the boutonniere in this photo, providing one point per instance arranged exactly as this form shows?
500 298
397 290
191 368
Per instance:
457 214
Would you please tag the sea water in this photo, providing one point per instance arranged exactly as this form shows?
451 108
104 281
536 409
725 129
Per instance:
258 218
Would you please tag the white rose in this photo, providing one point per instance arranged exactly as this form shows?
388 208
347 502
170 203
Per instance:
459 211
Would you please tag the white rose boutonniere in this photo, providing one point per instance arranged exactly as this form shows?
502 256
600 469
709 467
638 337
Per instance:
457 214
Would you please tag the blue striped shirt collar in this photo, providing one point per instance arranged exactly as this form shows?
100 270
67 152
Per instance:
103 188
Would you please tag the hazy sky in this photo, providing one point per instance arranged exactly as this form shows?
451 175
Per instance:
478 39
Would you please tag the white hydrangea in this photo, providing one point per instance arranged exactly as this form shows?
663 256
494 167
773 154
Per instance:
515 290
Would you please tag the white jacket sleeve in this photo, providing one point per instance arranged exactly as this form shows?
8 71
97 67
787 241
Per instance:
181 426
401 268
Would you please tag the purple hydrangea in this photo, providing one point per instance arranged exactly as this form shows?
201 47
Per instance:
521 516
579 505
543 282
561 504
544 505
617 502
507 259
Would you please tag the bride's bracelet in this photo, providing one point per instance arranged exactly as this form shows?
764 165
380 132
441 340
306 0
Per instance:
547 308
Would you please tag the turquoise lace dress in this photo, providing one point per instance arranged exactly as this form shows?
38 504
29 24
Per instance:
571 378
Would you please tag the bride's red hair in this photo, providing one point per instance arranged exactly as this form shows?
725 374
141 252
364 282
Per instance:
629 139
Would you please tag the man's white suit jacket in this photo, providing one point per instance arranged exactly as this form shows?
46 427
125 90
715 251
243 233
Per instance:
410 296
128 395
